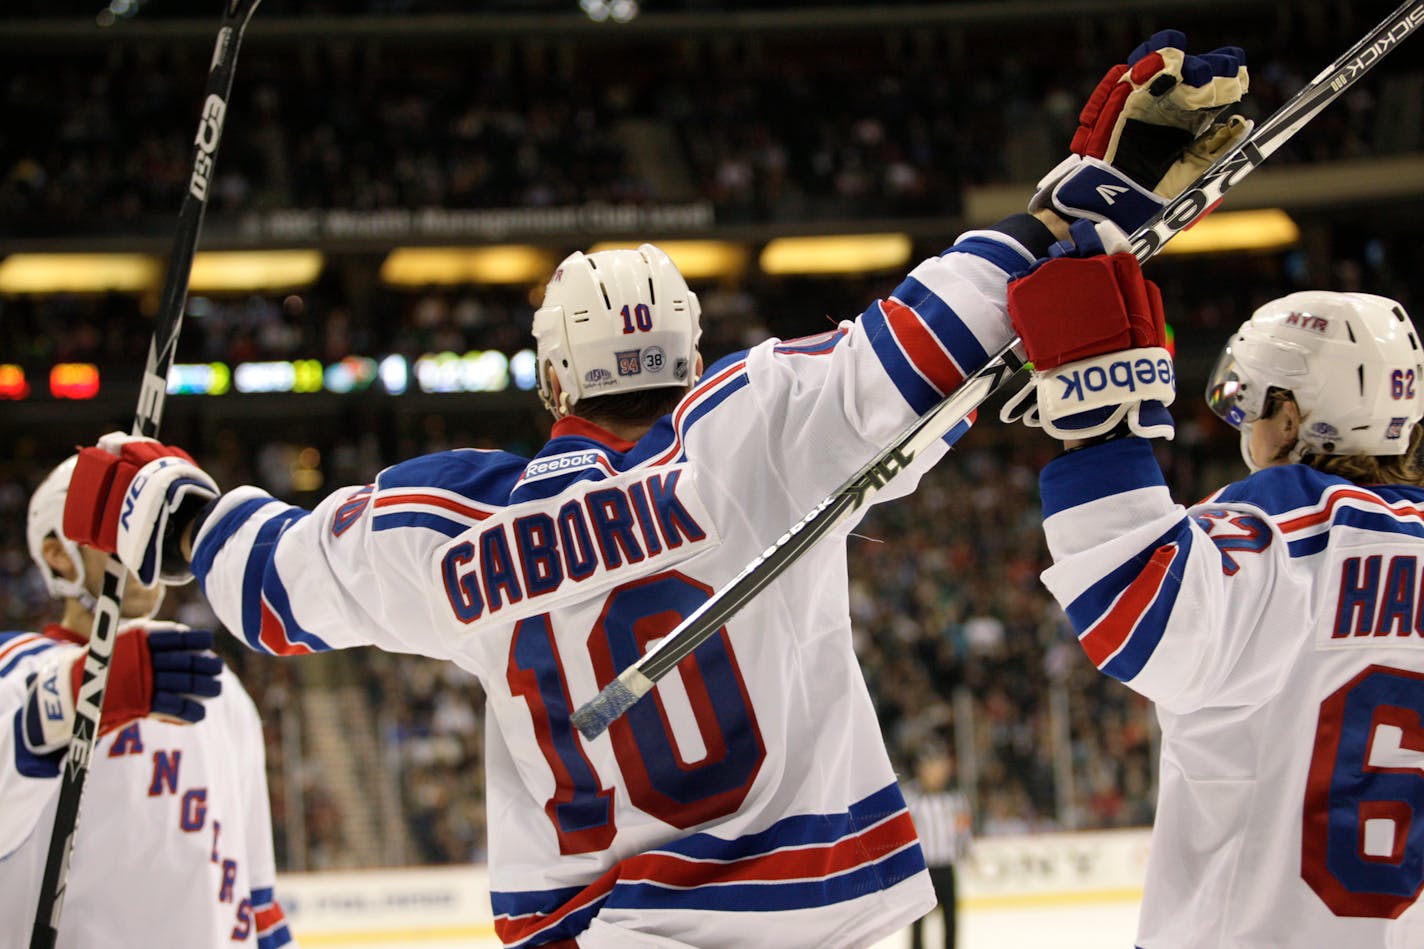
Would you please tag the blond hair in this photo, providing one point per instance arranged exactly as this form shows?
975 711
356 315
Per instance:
1376 469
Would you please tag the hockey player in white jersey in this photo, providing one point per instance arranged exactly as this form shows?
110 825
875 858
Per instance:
174 846
1278 625
749 800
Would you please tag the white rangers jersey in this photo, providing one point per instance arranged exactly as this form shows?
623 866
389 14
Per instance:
749 799
174 848
1279 627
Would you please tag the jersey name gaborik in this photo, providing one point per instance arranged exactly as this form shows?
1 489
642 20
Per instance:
539 548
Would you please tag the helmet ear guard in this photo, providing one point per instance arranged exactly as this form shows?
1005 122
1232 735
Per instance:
45 518
615 321
1352 362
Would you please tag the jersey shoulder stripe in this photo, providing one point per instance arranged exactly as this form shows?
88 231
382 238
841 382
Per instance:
439 510
820 344
715 388
1307 505
16 647
1282 492
477 475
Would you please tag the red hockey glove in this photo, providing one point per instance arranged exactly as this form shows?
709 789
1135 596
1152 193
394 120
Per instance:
132 496
162 670
1147 132
1095 332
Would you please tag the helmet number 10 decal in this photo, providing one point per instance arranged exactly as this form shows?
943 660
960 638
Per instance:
637 318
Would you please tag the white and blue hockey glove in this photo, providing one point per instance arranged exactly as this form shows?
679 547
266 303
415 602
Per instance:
1094 329
132 496
1147 132
163 670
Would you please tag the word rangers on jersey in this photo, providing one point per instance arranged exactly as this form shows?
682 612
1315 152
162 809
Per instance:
578 538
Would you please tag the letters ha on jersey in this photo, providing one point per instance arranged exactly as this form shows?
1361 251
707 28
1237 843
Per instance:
531 555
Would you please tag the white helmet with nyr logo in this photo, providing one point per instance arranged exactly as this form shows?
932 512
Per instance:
616 321
1352 361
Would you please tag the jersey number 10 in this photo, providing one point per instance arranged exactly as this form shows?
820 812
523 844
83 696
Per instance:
658 780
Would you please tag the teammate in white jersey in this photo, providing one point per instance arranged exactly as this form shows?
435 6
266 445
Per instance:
749 800
1278 625
174 846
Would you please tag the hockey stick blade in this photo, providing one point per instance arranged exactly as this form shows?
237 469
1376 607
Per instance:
594 716
152 390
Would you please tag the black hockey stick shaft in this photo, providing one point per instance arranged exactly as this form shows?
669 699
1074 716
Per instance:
637 680
152 391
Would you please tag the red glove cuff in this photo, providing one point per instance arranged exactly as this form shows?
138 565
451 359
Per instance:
1074 308
128 693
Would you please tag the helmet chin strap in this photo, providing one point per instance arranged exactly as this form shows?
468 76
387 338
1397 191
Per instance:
565 404
564 407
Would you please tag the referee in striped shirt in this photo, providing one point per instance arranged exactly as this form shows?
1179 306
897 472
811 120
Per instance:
941 815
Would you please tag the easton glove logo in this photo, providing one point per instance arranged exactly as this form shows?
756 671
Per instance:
1109 193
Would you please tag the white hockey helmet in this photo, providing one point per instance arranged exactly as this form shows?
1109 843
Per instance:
616 321
1352 362
46 517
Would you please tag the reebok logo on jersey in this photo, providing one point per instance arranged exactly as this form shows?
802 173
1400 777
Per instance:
557 464
1109 193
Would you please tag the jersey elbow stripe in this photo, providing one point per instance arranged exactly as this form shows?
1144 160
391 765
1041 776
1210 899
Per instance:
267 621
272 931
217 533
29 764
1122 634
917 383
997 248
943 320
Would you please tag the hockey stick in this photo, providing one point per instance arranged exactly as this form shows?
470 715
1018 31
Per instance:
637 680
152 391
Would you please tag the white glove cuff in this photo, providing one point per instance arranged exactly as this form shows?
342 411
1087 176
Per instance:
49 709
1120 379
158 490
